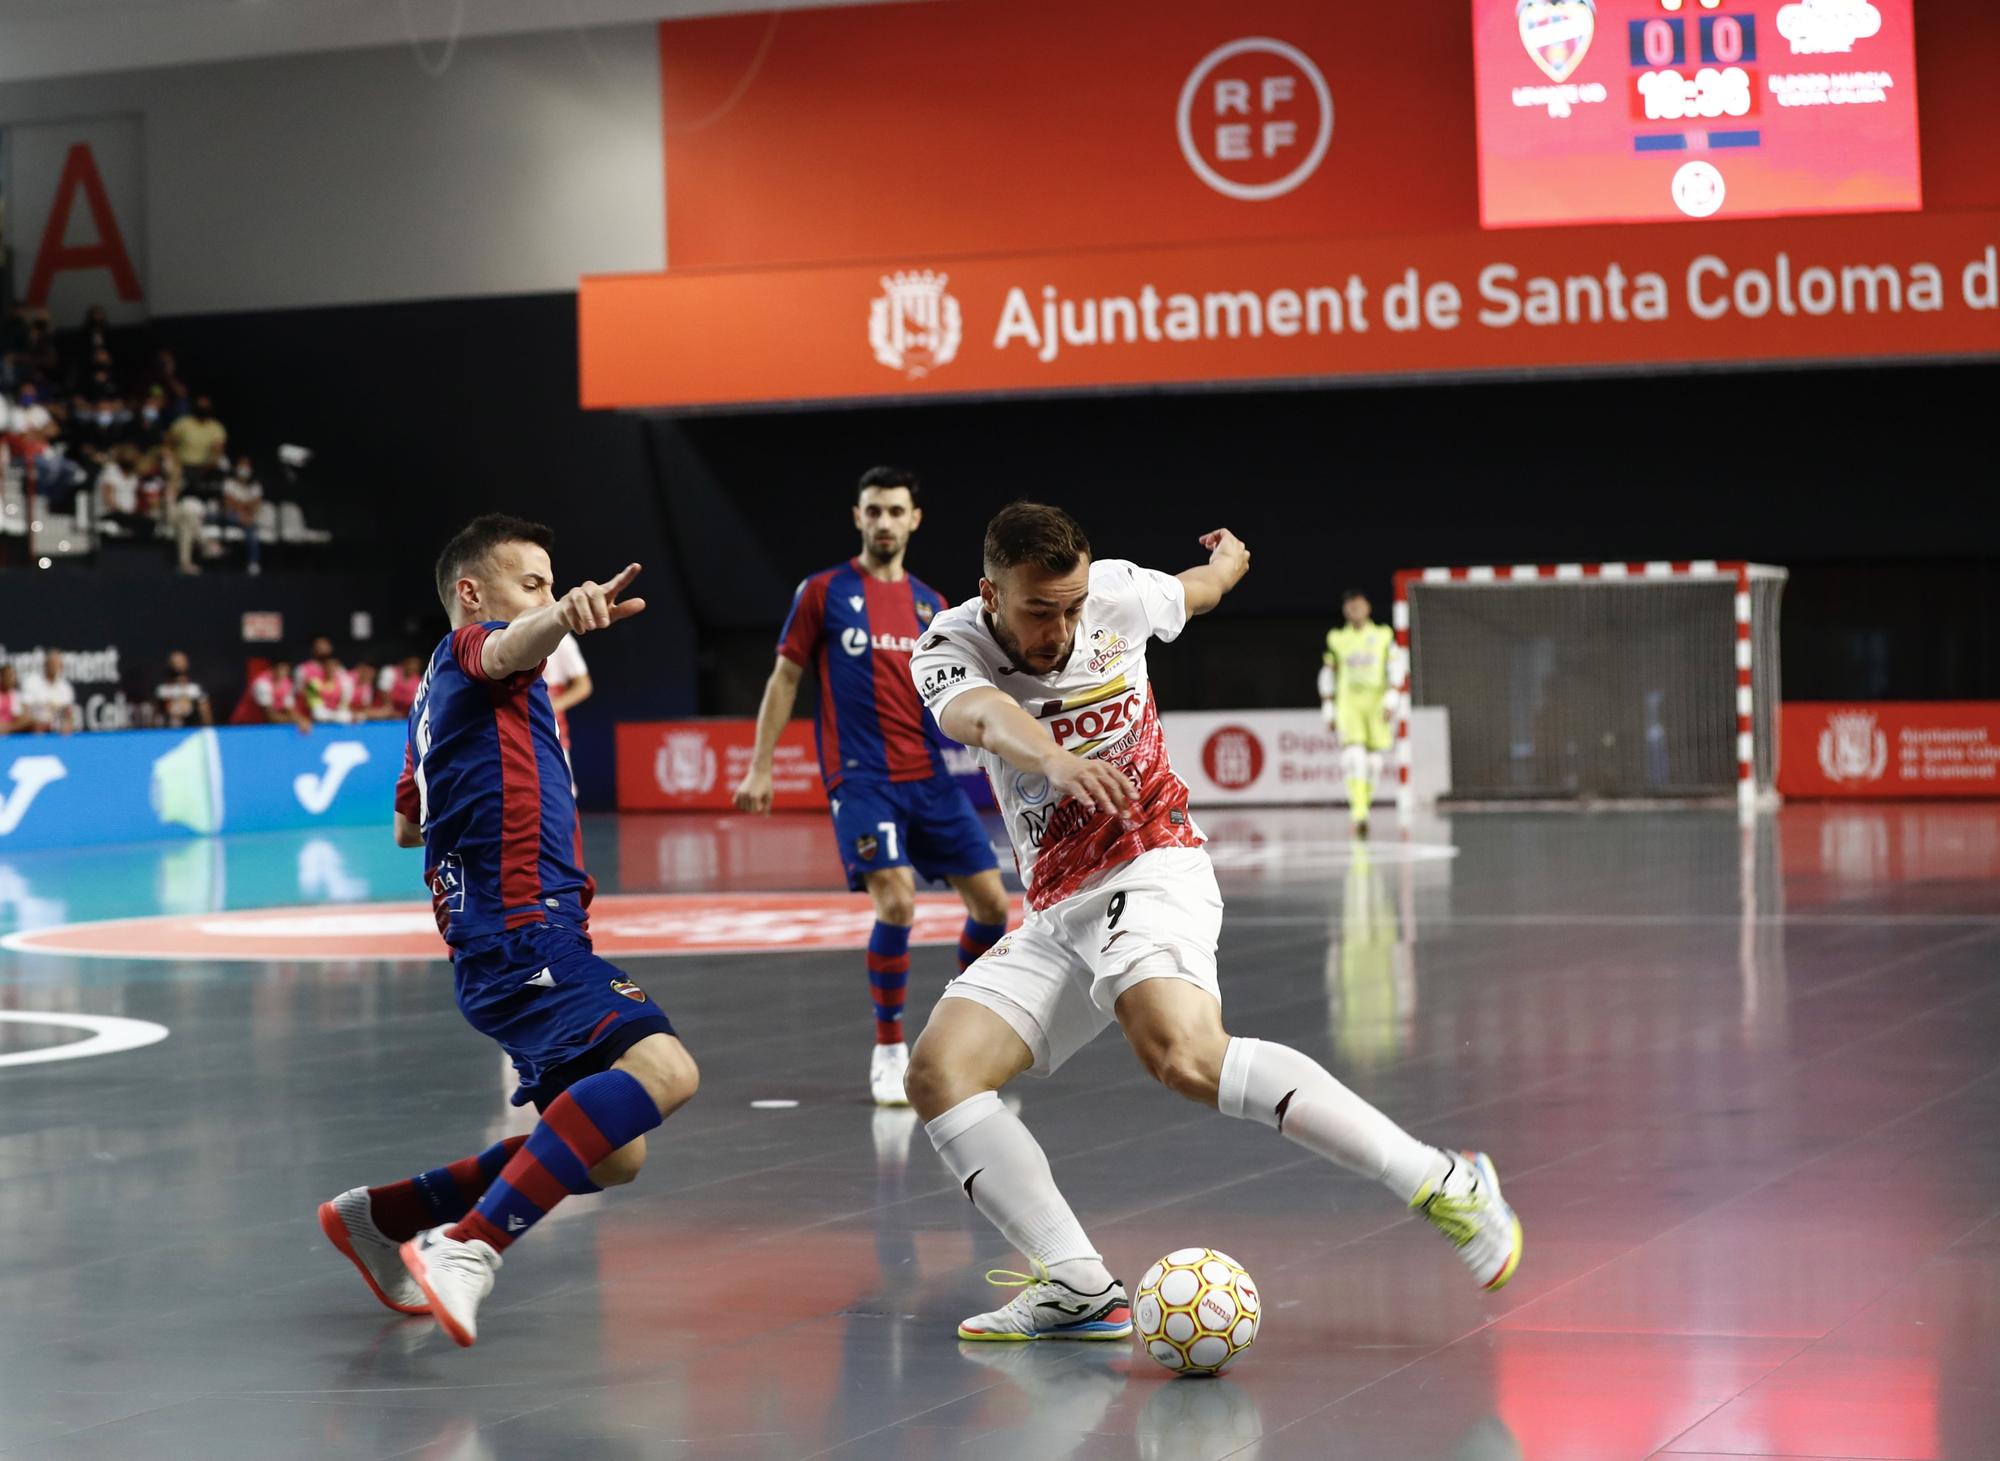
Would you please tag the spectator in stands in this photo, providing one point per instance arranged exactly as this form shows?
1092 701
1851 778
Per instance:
242 501
151 467
200 441
271 698
100 384
188 512
58 476
28 427
148 426
118 502
180 698
102 423
568 678
326 689
164 378
92 345
14 346
365 701
39 359
13 710
50 698
400 683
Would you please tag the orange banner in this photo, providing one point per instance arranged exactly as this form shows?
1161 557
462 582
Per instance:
989 196
1896 286
1890 749
984 126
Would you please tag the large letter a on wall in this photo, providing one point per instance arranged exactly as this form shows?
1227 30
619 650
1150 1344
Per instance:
80 176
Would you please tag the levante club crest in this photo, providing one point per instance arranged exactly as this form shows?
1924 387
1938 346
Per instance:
1557 33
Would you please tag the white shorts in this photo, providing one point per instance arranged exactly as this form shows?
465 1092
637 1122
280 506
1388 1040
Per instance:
1056 979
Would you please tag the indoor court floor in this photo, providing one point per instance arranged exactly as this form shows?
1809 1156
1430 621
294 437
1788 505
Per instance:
1743 1087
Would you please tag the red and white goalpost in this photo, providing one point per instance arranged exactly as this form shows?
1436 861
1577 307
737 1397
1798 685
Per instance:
1594 681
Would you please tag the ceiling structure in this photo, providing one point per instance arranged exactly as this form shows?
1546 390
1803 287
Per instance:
51 38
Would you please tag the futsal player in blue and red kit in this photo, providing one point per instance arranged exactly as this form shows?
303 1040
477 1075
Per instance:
897 812
486 792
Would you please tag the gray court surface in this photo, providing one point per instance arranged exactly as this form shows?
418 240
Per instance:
1744 1089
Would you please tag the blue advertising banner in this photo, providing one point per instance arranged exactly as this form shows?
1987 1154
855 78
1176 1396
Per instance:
139 786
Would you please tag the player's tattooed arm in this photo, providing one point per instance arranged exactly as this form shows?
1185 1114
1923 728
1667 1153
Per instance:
533 637
993 721
1228 561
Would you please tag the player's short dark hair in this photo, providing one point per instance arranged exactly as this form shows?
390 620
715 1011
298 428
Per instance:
1348 594
887 477
471 544
1034 533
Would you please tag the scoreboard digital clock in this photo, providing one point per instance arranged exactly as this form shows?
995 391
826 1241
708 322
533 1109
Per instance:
1627 111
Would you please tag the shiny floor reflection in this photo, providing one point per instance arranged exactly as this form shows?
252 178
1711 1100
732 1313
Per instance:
1745 1087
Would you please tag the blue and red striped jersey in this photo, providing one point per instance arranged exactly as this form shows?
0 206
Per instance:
484 776
858 634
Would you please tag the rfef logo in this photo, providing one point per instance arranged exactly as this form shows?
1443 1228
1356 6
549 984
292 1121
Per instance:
1255 118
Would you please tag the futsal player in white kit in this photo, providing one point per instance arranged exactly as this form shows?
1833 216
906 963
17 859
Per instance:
1044 677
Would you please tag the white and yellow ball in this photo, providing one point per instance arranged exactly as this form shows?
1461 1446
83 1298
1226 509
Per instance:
1196 1311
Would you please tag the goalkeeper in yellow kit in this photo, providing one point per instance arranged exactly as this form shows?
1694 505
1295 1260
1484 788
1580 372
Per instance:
1357 700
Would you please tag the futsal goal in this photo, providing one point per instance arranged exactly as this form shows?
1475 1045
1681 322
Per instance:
1595 681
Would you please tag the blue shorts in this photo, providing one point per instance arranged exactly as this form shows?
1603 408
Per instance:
560 1012
926 825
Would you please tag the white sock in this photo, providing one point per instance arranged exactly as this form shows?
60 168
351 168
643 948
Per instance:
1278 1086
1005 1173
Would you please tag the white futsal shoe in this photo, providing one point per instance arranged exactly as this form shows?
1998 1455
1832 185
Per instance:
454 1276
350 1226
1048 1308
886 1069
1466 1206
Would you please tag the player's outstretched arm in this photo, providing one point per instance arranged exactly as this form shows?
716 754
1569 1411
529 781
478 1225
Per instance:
781 691
992 721
534 636
1228 561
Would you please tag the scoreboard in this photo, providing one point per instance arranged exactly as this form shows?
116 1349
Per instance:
1626 111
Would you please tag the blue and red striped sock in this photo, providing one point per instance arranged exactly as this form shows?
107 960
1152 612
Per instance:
583 1126
442 1195
975 939
889 979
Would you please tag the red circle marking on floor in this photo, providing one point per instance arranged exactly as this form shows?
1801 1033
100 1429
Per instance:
621 925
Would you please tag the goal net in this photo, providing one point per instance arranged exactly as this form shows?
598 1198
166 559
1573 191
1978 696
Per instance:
1596 680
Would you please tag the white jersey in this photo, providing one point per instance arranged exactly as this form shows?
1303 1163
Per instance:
565 664
1100 704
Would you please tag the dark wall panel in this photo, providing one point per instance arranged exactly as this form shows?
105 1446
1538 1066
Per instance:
1869 484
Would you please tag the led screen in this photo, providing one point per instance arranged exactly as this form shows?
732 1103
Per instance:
1618 111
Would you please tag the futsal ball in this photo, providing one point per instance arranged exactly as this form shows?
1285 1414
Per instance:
1196 1311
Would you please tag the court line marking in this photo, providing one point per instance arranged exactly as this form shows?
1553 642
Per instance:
109 1034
